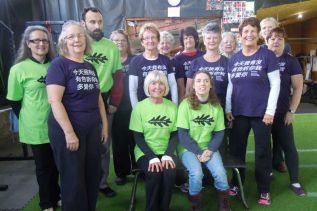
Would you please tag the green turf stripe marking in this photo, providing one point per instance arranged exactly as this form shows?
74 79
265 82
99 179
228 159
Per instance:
312 194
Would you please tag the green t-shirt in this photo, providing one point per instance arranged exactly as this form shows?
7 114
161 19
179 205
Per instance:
156 122
106 59
201 123
27 83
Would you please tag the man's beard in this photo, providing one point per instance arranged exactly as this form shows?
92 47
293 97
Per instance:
96 34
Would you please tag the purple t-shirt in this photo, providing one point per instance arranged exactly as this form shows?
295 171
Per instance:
182 62
251 86
289 66
81 94
140 67
217 70
125 102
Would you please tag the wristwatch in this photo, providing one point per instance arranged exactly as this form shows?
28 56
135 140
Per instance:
291 111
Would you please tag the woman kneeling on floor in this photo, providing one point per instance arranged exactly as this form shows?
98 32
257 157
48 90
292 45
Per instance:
153 121
201 127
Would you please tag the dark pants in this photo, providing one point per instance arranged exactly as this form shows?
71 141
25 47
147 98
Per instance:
263 159
277 153
158 186
46 175
79 170
122 144
283 135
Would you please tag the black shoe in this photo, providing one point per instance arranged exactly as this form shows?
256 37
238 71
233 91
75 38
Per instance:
108 192
121 180
3 187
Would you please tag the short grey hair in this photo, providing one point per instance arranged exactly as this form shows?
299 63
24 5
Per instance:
211 27
269 19
155 75
62 47
167 36
230 34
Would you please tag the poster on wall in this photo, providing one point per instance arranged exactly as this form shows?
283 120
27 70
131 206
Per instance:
236 11
214 4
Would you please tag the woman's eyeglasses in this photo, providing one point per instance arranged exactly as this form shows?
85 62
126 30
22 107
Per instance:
73 36
38 41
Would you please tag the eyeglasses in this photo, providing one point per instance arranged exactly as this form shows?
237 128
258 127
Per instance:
116 41
38 41
149 38
73 36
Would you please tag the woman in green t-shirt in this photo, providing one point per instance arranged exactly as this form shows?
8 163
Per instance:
153 124
200 124
28 96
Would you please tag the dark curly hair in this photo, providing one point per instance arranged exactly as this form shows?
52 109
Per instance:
189 31
212 97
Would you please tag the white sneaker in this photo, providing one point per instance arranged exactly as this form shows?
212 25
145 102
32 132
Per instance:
49 209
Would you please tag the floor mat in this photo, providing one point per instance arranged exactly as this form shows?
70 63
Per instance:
20 176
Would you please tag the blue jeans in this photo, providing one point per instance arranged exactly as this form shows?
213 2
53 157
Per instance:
195 172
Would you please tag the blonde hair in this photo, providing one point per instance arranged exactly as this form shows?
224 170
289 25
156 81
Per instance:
155 75
149 27
269 19
62 47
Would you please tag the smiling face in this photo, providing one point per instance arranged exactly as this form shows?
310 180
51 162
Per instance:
156 89
276 43
149 40
38 44
249 36
211 41
189 43
75 40
121 42
228 44
202 85
165 47
266 27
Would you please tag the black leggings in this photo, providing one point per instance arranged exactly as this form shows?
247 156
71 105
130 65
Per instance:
263 159
283 135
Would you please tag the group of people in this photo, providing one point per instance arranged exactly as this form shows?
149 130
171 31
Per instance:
160 109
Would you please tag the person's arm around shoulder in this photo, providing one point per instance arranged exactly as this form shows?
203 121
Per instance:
55 94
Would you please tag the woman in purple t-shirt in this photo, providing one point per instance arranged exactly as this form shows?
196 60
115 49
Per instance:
149 60
252 93
282 128
74 123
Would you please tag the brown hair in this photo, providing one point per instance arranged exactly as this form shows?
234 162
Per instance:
277 30
252 21
212 97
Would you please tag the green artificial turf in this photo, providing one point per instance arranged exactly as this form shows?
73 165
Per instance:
283 199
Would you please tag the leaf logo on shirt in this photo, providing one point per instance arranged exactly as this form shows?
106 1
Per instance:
42 79
160 121
202 120
97 58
